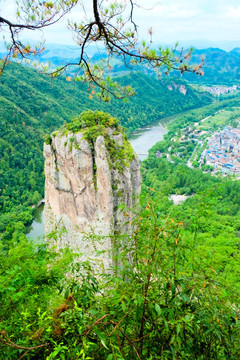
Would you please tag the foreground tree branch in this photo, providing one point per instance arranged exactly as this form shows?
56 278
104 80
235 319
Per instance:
10 343
111 26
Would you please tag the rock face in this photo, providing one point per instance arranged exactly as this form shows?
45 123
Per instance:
177 87
83 190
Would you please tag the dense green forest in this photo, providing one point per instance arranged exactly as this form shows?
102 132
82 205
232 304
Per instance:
178 296
210 215
33 105
167 303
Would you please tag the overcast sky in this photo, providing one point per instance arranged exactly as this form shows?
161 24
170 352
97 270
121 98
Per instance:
171 20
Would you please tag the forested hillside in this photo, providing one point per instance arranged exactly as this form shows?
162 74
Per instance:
33 105
178 293
139 260
210 216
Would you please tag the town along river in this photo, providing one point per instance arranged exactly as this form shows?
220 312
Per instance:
141 141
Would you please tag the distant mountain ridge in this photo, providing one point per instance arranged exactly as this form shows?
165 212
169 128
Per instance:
221 67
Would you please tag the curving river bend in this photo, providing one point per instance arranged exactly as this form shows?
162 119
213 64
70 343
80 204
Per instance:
141 141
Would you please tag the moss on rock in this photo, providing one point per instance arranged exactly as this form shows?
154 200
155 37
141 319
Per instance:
93 124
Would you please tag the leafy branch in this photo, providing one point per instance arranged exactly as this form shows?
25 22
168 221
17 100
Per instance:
112 27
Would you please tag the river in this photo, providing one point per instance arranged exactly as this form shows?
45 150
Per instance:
141 141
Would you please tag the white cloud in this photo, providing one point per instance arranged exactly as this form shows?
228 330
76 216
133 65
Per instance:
176 11
233 12
171 20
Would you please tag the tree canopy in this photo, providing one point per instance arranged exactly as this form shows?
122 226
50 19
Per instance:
110 25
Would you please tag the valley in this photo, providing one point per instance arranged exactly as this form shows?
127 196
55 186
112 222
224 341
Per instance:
172 170
119 180
141 141
33 105
188 213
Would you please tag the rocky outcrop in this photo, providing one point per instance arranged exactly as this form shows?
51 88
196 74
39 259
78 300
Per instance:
177 87
85 184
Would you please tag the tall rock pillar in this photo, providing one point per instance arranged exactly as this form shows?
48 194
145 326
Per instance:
90 169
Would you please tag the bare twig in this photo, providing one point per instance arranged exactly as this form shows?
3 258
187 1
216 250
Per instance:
95 323
127 338
119 323
12 344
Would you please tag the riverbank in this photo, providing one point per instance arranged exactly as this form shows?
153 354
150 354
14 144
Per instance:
38 204
36 229
145 138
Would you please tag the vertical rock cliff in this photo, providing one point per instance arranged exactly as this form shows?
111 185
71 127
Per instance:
90 170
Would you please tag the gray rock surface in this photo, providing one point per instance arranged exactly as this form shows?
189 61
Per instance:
83 191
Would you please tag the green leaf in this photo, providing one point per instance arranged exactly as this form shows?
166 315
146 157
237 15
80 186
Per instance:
158 309
104 344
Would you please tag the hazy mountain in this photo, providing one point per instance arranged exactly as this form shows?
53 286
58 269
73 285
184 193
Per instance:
220 66
204 44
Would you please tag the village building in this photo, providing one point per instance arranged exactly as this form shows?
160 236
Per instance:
223 151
